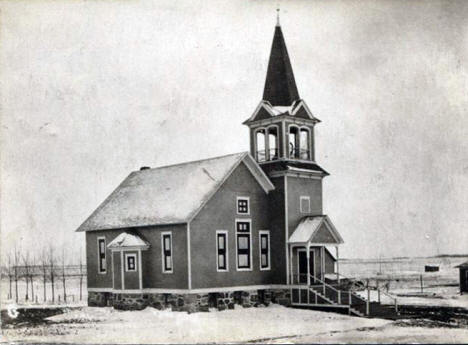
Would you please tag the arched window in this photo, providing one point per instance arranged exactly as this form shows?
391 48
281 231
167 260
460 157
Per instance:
293 142
272 143
260 145
305 144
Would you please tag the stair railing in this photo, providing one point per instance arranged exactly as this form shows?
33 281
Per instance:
325 285
377 288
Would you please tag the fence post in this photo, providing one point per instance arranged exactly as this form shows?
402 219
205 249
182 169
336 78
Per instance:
396 305
339 296
378 291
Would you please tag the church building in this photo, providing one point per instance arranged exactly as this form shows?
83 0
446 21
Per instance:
246 228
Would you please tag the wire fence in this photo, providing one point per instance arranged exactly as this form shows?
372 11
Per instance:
45 283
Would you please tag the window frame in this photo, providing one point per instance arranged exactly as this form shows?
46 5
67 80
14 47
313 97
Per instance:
226 251
301 199
134 256
243 198
102 268
260 234
242 233
163 252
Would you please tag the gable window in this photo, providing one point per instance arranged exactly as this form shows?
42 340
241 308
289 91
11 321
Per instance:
305 204
243 205
166 245
101 241
222 251
244 245
130 263
264 250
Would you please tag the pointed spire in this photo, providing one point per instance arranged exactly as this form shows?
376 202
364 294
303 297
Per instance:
280 86
277 17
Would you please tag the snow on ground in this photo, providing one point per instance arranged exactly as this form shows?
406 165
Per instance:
106 325
274 324
387 334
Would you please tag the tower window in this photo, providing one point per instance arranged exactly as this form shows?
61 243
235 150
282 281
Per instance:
243 205
305 204
260 145
304 144
273 143
293 142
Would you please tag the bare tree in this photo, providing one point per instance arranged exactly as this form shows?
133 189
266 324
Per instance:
44 272
16 274
26 265
51 260
10 276
31 277
63 277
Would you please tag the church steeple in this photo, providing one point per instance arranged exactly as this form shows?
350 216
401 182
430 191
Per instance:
280 86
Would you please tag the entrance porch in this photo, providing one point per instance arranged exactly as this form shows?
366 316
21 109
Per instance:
310 253
314 272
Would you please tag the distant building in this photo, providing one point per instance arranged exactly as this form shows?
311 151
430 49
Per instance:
245 228
463 277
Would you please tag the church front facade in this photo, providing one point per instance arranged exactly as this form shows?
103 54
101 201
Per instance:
244 228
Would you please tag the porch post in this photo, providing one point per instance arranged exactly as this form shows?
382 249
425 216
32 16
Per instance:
308 263
322 262
291 274
337 265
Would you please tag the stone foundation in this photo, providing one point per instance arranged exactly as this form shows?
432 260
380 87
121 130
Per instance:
190 302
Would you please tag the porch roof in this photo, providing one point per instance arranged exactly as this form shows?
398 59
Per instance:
126 241
316 229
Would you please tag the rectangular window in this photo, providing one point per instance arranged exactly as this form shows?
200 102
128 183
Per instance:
101 241
130 263
244 245
305 204
264 245
222 251
166 244
243 206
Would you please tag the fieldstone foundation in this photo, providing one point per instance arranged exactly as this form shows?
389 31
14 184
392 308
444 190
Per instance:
190 302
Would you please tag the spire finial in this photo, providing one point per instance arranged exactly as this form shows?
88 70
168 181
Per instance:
277 16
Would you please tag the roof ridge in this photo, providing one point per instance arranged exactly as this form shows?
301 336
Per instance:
195 161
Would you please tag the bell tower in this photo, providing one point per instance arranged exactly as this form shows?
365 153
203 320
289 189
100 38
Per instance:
282 142
282 125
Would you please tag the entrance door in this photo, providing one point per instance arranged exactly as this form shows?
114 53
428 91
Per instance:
302 265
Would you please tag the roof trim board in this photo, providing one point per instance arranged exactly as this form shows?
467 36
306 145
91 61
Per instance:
108 214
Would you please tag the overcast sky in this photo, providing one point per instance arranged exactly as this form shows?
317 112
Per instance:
91 90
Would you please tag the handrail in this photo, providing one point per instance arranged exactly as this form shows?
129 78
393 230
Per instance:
393 298
323 283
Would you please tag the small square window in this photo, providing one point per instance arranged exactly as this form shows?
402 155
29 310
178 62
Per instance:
243 205
130 262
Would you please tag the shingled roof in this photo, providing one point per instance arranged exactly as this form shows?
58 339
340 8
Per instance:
168 195
280 86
